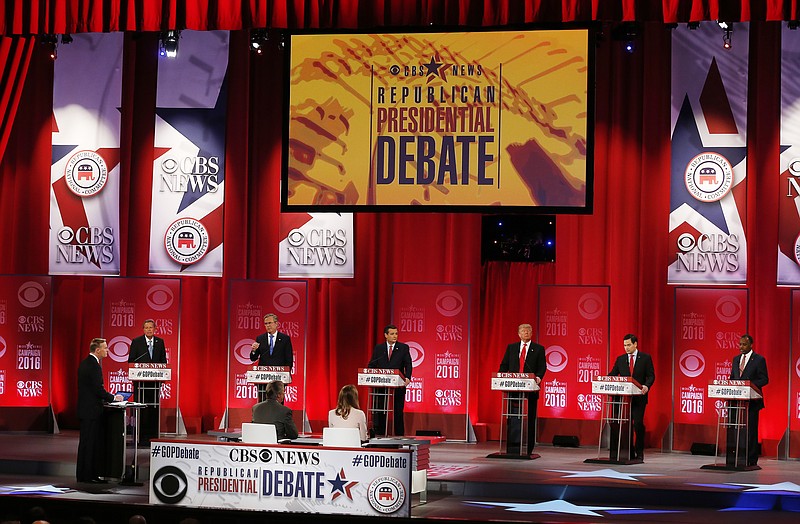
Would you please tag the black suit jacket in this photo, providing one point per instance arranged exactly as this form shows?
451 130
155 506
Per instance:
91 392
755 372
643 371
139 353
534 361
401 358
282 354
273 412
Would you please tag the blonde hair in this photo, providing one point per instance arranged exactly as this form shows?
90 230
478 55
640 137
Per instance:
348 399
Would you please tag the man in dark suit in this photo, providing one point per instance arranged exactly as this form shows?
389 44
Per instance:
91 395
148 349
392 355
524 356
272 348
642 372
272 411
749 365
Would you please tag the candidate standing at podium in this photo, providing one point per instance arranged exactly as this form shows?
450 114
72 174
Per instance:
272 348
749 365
638 365
91 395
148 349
524 356
392 355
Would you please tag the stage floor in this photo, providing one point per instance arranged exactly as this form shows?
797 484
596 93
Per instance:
465 485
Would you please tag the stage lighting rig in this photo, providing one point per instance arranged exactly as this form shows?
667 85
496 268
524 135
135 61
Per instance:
169 43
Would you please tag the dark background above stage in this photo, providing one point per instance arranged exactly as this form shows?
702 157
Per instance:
623 244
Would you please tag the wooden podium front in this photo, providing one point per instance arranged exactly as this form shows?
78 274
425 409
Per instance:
617 394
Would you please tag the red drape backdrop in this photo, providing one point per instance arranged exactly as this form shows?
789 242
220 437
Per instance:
622 244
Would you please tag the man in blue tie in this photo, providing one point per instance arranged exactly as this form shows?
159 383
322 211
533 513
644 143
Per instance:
272 348
148 349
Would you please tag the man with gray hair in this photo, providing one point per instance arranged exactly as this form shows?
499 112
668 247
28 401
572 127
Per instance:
272 411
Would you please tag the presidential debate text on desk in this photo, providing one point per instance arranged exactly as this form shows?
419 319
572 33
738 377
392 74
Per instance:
281 478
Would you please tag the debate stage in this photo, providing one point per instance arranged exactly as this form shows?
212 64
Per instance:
463 485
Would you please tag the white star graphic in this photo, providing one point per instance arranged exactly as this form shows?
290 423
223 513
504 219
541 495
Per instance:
784 487
552 506
604 474
37 489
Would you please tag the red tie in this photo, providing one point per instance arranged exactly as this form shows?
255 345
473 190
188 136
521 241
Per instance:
522 355
631 364
741 365
390 350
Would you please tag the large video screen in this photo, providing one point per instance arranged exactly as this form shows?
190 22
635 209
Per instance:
440 122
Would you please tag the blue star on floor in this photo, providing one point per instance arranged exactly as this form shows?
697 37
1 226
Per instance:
604 474
46 489
551 506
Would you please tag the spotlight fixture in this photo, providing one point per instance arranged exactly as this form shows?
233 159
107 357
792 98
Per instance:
282 42
51 41
693 25
627 33
793 24
727 33
169 43
723 25
258 40
66 38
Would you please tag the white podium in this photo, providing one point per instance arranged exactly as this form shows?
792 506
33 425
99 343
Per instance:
732 428
147 379
617 395
514 414
380 405
263 375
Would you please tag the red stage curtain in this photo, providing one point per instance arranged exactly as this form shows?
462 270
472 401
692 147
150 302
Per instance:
622 244
15 55
72 16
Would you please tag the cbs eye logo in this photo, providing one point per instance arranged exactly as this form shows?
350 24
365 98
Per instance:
286 300
557 358
449 303
170 485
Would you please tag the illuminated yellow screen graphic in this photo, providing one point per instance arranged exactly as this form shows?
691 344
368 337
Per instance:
439 119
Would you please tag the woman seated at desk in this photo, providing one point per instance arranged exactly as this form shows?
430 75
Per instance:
347 413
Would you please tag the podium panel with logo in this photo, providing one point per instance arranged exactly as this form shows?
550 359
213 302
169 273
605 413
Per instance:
147 379
380 405
618 393
514 426
732 427
263 375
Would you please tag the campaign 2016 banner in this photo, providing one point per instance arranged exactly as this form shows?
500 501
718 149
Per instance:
127 303
708 326
84 172
497 118
794 373
433 319
573 328
189 167
316 245
25 328
789 187
250 300
297 479
708 194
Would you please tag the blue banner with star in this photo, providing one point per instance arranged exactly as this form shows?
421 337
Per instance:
84 172
189 167
708 196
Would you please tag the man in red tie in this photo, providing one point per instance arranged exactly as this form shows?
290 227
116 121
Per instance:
392 355
524 356
638 365
749 365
